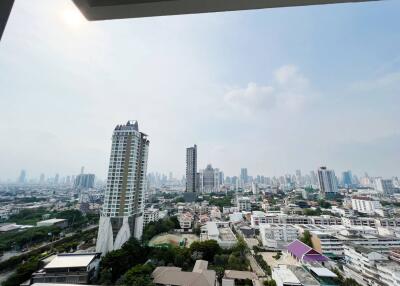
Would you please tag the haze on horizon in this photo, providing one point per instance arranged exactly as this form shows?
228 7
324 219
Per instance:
272 90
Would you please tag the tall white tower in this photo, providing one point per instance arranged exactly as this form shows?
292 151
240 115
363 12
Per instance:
122 211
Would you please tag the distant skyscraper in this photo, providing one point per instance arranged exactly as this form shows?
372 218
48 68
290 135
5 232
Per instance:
41 179
327 182
347 179
313 178
191 169
384 186
22 177
56 179
84 181
244 178
208 179
122 211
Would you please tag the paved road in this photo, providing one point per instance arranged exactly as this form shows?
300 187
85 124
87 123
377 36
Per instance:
254 265
9 254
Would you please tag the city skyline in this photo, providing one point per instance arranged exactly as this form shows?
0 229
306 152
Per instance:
317 89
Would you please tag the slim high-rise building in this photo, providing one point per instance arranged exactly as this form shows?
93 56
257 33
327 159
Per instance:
327 182
22 177
191 169
56 179
244 178
122 212
208 179
41 179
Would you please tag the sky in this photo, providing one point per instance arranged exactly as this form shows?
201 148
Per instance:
272 90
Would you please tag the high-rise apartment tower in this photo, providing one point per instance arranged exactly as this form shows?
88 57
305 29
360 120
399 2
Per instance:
327 182
122 211
191 169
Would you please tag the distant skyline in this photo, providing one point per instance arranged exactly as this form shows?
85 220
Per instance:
272 90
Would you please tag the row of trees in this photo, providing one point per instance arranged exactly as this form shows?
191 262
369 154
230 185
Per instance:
21 239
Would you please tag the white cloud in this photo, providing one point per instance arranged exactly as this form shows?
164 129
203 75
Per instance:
252 98
388 84
288 91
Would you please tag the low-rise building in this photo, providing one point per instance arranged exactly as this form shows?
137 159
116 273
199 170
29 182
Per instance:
365 205
235 277
278 235
257 218
389 273
244 204
236 217
292 275
73 268
369 267
150 215
185 221
200 276
215 213
220 232
284 276
304 253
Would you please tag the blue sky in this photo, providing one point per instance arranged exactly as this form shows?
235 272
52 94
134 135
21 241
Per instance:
272 90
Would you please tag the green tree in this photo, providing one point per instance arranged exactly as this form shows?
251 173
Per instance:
208 249
117 262
278 255
138 275
324 204
306 238
269 283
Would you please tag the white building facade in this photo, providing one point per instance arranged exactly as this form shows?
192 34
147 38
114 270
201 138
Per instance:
277 235
365 205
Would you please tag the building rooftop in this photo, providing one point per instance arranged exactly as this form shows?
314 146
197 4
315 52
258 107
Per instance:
235 274
200 265
304 252
212 228
52 220
258 214
175 276
323 272
286 275
303 276
71 260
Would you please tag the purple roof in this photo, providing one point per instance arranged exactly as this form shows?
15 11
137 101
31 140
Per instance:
304 252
